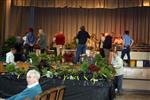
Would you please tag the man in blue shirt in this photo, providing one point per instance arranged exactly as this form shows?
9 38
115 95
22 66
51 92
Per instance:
30 39
127 43
82 37
32 89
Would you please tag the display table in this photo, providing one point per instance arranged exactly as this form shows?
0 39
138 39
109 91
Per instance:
137 73
74 89
139 58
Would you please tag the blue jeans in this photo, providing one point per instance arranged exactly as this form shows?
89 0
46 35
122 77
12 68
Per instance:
81 49
126 51
118 83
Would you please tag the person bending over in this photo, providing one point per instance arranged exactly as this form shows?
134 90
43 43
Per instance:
10 58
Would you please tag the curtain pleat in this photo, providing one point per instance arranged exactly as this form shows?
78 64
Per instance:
82 3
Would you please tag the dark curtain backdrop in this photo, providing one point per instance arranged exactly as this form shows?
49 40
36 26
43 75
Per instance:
2 6
82 3
69 20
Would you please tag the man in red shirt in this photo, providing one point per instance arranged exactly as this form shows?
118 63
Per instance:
60 41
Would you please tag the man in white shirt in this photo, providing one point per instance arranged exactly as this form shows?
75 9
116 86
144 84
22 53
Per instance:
10 58
117 63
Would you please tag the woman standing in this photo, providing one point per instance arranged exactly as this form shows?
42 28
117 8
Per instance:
42 40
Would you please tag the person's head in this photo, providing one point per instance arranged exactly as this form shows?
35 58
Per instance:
126 32
13 50
61 32
111 34
82 28
115 52
25 33
118 36
40 31
30 29
106 34
102 34
32 77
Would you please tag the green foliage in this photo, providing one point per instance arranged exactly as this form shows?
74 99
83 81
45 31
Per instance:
99 61
35 59
55 59
72 44
49 59
20 71
45 57
52 58
10 68
44 71
84 65
8 44
107 72
58 58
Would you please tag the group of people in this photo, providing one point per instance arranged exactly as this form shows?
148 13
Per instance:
82 36
106 42
81 39
25 45
30 40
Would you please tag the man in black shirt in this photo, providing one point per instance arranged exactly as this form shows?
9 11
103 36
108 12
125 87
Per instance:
82 37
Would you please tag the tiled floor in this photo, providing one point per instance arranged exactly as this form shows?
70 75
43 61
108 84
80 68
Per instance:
137 73
129 84
134 96
135 90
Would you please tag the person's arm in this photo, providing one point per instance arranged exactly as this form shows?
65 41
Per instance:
118 63
88 35
12 97
7 58
12 59
77 36
132 41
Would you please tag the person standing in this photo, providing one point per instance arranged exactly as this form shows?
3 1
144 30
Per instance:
42 40
30 39
59 41
19 49
117 63
127 43
82 37
102 38
107 44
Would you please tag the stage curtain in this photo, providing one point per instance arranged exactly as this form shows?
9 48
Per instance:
1 21
96 21
4 19
81 3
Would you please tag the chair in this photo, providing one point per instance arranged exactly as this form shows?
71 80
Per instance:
42 96
53 93
50 94
60 93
